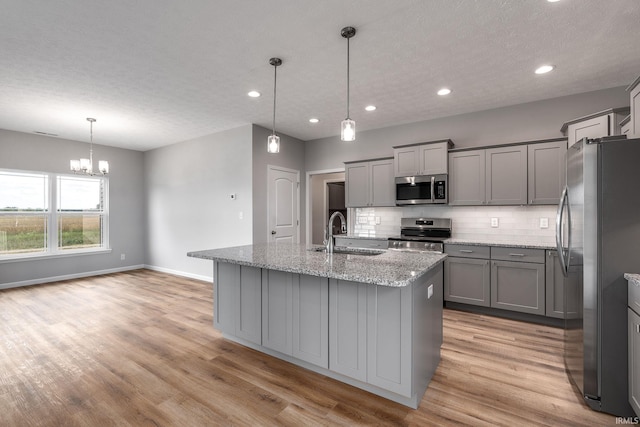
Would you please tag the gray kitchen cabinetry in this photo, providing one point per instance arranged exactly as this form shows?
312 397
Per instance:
395 348
348 328
467 177
556 286
295 315
506 172
518 279
547 172
625 126
242 285
467 275
634 100
369 183
633 330
421 159
596 125
311 320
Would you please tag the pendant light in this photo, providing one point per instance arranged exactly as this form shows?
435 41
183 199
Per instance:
273 141
348 127
85 166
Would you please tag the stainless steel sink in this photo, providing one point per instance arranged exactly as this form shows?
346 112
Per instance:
350 251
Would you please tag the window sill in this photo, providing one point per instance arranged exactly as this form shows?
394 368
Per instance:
37 257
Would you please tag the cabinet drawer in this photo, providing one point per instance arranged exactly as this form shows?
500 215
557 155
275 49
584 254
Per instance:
634 297
518 254
467 251
362 243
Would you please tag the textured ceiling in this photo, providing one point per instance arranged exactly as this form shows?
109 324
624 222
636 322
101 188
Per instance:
156 72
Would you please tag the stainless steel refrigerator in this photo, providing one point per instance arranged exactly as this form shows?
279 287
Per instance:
598 235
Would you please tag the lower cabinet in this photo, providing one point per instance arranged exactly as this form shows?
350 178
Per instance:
348 328
311 320
277 310
243 286
467 280
634 360
518 286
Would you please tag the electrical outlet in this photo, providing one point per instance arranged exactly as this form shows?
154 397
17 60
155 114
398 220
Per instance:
544 222
494 222
122 257
378 220
240 215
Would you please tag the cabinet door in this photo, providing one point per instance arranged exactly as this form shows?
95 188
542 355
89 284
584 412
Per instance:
634 360
592 128
249 305
518 286
433 158
467 178
348 328
357 185
406 161
226 280
506 175
277 311
547 172
382 188
389 314
467 281
311 320
634 128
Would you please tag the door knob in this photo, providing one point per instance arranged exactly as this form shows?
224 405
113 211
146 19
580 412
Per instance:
273 231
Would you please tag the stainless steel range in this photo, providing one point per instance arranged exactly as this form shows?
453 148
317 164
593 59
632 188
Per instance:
422 234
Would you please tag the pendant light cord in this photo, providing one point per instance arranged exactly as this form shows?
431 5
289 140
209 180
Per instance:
348 79
275 80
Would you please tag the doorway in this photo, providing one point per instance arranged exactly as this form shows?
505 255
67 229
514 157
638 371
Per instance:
325 195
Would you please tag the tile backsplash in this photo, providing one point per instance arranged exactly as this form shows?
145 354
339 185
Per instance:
467 222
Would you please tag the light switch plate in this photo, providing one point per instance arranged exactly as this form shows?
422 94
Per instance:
362 220
494 222
544 222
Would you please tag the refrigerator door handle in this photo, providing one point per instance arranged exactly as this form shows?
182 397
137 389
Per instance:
559 232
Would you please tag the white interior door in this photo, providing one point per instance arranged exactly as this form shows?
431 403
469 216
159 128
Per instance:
283 211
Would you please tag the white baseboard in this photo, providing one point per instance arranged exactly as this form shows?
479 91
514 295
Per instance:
180 273
69 276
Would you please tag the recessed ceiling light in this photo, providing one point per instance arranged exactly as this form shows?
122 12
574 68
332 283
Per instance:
313 120
553 1
544 69
370 107
444 91
254 94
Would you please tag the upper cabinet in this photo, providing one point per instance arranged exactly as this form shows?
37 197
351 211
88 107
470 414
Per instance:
369 183
634 99
429 158
519 174
547 172
506 172
597 125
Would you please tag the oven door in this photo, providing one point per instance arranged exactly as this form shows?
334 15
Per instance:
424 189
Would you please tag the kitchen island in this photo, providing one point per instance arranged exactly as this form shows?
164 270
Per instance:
371 319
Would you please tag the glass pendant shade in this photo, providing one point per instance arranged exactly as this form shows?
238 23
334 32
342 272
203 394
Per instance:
85 165
348 130
103 167
75 165
273 144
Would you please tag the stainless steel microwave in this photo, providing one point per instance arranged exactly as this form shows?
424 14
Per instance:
424 189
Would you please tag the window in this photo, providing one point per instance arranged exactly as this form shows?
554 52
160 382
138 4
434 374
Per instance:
40 219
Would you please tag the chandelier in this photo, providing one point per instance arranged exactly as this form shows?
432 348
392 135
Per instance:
85 166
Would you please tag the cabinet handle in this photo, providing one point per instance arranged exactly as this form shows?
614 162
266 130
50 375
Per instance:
466 251
520 255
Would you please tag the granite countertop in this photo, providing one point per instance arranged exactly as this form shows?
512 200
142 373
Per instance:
520 243
391 268
633 278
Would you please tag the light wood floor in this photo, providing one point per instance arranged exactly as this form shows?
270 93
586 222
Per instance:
139 348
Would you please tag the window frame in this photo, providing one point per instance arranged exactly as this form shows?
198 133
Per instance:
54 213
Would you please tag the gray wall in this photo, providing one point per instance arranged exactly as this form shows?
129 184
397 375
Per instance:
524 122
318 203
291 156
187 189
126 209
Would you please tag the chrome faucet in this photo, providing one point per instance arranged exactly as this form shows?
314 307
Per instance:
328 233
